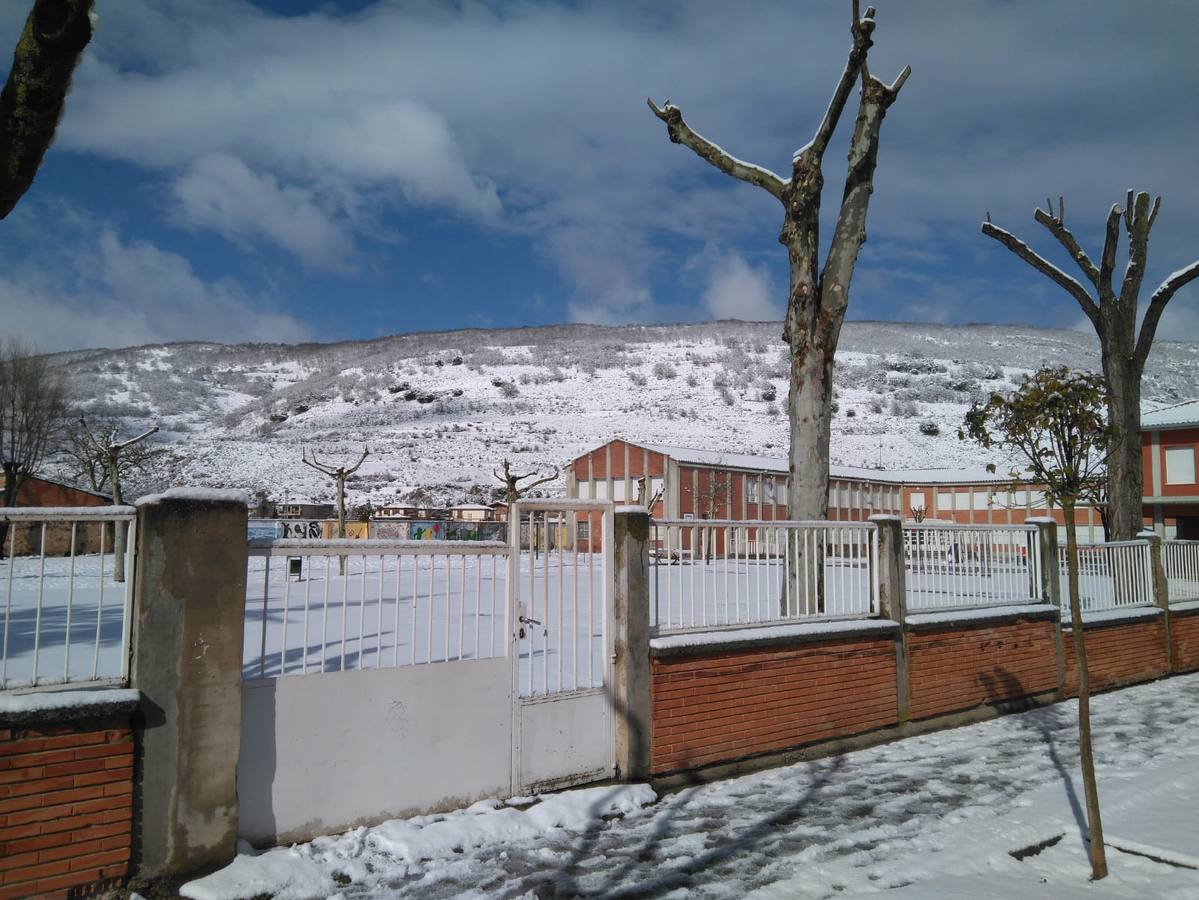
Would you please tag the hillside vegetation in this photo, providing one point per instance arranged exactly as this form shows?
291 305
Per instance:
440 410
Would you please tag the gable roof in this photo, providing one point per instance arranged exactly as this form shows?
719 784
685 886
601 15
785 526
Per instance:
1176 415
755 463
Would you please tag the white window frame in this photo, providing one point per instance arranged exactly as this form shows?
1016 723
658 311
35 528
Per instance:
1180 465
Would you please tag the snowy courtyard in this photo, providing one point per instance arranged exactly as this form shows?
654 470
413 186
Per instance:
940 815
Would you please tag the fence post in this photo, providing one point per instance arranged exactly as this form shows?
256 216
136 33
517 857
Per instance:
631 668
892 602
1160 587
188 621
1051 587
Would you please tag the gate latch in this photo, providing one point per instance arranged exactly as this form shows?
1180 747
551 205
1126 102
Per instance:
524 620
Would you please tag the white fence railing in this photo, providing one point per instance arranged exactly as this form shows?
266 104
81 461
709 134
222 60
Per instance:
719 573
64 617
394 603
1114 575
963 566
1181 562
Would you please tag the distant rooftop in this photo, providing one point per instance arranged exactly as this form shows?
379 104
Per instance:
1175 415
779 464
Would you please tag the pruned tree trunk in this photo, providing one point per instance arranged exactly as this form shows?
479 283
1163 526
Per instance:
1085 752
818 297
1113 314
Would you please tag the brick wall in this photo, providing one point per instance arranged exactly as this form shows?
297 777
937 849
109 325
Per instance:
1119 654
963 667
728 704
66 807
1184 636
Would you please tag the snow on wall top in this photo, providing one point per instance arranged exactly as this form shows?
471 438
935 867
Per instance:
780 465
1175 416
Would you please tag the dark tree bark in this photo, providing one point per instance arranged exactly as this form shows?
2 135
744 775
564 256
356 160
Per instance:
818 297
1113 314
51 44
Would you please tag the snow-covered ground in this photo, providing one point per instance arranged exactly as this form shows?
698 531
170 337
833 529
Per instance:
937 816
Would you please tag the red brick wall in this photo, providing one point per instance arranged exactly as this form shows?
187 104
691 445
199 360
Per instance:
957 669
735 703
66 807
1184 635
1119 654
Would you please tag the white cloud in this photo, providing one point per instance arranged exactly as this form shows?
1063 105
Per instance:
84 285
737 290
221 193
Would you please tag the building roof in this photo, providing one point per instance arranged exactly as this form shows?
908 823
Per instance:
62 484
478 506
779 464
1176 415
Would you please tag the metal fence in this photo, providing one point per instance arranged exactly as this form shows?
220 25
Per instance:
393 603
964 566
66 618
719 573
1181 562
1115 575
562 584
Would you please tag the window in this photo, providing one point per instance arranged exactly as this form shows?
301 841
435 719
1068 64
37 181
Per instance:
781 492
584 490
918 500
751 489
618 490
601 490
769 487
1180 465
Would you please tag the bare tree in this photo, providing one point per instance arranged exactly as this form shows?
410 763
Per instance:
818 297
513 489
32 409
1114 317
112 457
339 474
51 44
1055 422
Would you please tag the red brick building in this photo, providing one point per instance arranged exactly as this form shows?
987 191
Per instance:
709 484
44 492
1169 441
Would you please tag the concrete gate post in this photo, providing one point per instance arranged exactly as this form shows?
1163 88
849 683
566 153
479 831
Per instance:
631 670
1161 588
1050 588
188 621
892 602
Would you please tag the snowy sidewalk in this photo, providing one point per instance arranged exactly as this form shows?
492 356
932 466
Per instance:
939 814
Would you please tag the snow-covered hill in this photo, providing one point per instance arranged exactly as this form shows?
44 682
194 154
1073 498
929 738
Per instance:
440 410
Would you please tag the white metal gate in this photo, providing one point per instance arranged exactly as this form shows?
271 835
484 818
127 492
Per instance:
560 588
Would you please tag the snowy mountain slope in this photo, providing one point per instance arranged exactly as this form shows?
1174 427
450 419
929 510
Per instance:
440 410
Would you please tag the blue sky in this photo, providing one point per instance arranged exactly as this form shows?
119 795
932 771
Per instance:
298 170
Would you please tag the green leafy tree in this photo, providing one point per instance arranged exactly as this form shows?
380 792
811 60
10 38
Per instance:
1056 425
31 103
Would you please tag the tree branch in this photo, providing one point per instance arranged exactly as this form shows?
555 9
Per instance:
1157 305
540 481
1042 265
861 28
681 133
132 441
1107 262
1139 220
365 452
1057 227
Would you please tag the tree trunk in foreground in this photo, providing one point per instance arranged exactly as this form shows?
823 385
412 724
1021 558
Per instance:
1086 756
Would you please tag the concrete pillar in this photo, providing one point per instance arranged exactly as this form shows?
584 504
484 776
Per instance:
892 602
1050 588
188 618
630 623
1161 588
